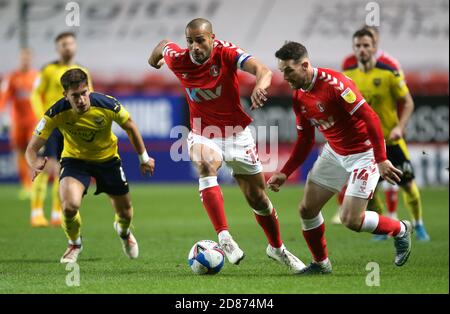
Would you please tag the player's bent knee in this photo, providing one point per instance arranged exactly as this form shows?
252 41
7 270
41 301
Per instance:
206 169
70 208
353 222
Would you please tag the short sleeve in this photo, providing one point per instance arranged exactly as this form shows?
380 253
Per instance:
347 95
233 55
398 85
121 115
45 127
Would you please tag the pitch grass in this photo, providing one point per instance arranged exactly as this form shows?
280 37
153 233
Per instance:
170 218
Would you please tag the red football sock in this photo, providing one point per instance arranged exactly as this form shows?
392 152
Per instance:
387 226
315 238
391 197
271 228
212 200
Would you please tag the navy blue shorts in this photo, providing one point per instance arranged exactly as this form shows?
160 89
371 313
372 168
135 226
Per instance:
108 175
54 145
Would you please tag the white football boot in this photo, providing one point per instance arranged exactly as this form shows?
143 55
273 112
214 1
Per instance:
231 249
129 244
283 256
71 254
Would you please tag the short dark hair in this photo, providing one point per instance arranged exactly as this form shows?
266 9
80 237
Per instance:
74 78
363 32
292 51
64 35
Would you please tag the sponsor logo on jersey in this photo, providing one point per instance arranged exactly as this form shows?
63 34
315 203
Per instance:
348 95
198 95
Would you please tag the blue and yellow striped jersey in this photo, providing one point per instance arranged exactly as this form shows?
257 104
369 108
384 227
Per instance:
87 136
381 87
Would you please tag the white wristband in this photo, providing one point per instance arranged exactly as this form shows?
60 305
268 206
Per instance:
143 158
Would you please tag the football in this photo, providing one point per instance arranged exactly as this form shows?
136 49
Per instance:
206 258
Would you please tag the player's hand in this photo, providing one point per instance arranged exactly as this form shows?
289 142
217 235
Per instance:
258 97
396 133
276 181
389 172
38 167
148 167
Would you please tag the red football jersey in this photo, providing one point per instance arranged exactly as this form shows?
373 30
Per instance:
329 104
351 62
211 88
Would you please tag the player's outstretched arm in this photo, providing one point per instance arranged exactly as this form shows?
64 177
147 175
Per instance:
156 58
37 164
263 80
147 164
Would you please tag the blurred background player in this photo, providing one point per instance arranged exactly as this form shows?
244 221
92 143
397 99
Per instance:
390 191
48 90
16 90
354 153
90 150
383 87
208 72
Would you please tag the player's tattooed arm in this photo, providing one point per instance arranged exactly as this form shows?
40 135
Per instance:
263 80
156 58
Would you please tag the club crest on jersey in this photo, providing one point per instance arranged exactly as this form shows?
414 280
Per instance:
376 82
348 95
320 107
214 71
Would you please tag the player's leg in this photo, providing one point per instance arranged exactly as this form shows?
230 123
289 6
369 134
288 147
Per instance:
124 215
391 197
413 201
39 185
253 187
340 199
376 205
410 191
363 180
110 179
326 178
313 227
206 156
19 142
71 190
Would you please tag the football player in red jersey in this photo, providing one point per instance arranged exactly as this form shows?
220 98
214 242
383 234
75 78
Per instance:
355 153
207 69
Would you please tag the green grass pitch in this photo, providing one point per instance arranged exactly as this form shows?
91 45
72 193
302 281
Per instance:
170 218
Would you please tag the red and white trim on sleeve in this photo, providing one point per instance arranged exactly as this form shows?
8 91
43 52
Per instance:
167 51
333 81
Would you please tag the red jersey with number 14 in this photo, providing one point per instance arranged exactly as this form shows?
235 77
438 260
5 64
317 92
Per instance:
329 104
211 88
